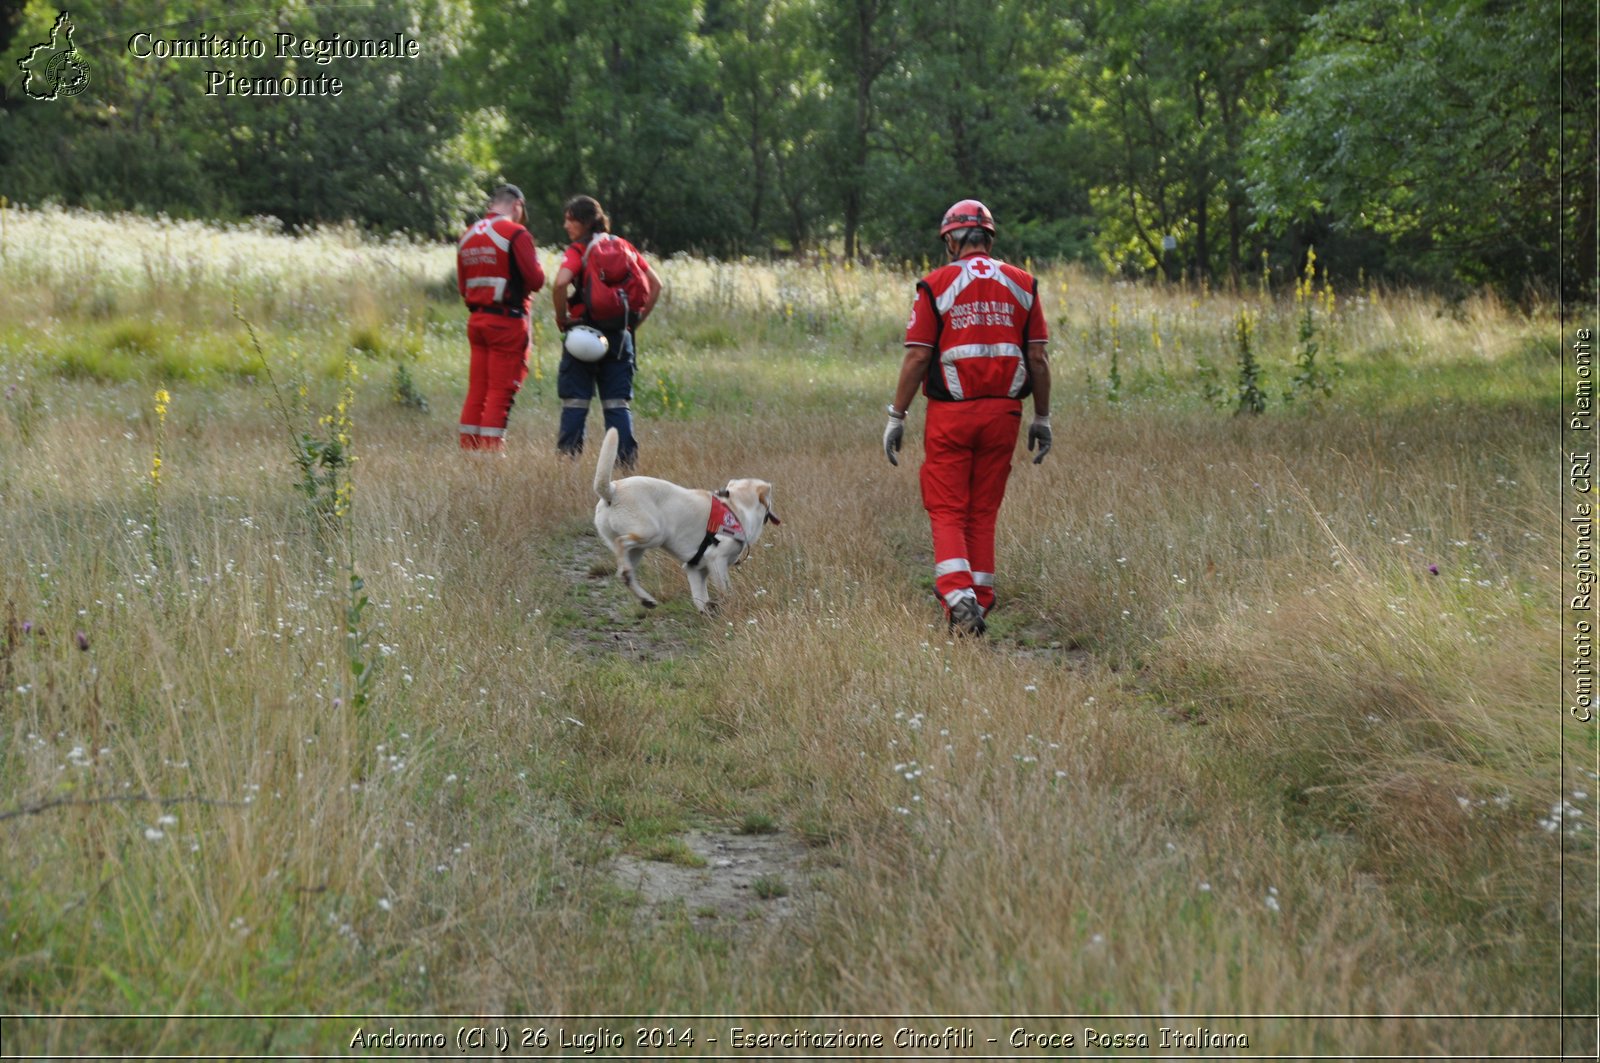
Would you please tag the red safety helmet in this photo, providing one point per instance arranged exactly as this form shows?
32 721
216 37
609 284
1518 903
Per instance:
967 213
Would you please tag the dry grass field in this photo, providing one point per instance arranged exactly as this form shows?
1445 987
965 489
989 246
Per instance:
1268 724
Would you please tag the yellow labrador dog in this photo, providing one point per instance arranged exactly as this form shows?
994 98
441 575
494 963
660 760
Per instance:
709 531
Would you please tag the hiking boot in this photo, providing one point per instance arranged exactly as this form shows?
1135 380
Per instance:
966 619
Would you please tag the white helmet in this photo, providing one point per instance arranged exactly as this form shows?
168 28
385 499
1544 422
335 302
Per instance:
586 344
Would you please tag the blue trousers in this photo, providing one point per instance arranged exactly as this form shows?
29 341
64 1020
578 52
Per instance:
612 376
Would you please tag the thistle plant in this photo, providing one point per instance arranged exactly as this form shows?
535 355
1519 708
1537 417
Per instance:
323 460
1114 375
358 687
1252 399
1210 379
665 398
536 343
318 458
162 399
1309 377
340 424
406 392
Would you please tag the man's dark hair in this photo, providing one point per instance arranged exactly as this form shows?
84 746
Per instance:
585 210
971 236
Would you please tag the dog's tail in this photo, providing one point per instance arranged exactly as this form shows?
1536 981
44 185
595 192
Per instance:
607 463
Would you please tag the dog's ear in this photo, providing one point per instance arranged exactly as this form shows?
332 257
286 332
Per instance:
764 493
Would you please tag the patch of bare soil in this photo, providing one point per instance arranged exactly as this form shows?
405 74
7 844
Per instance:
1040 642
747 879
605 617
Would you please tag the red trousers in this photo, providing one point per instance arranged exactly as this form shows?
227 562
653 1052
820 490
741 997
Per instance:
499 366
967 452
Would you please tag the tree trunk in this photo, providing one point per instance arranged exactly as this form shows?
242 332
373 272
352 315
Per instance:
1202 195
758 167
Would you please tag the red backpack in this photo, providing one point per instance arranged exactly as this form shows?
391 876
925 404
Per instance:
607 272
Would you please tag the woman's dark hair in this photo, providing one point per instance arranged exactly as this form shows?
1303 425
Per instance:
585 210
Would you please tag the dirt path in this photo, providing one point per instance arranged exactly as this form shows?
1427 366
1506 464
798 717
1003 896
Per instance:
605 618
1039 641
741 880
747 879
736 881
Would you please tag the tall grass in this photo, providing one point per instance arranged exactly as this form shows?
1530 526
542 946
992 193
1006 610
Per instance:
1265 724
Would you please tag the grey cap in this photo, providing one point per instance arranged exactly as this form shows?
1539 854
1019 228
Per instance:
507 192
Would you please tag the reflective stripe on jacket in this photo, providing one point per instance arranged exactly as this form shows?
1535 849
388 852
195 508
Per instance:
979 315
496 264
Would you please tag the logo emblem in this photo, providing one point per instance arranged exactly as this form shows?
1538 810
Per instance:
981 267
55 69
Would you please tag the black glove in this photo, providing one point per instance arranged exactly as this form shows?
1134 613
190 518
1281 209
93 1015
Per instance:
1039 434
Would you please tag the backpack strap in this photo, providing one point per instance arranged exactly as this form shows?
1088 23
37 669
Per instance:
583 278
926 290
933 307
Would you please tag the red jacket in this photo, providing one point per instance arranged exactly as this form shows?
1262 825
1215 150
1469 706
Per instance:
496 264
979 315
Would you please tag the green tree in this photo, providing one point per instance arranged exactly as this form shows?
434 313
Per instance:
768 91
865 40
1435 127
129 141
145 136
11 12
614 100
1173 91
977 109
1580 212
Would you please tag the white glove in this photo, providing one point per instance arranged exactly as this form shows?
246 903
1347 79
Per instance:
1039 433
893 433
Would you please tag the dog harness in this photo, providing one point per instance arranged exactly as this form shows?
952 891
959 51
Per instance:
723 521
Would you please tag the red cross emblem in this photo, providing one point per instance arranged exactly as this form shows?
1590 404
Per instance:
981 267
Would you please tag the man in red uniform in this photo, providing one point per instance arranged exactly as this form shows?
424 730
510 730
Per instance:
976 345
497 272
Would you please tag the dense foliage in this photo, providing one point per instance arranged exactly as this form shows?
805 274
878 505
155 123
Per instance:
1449 141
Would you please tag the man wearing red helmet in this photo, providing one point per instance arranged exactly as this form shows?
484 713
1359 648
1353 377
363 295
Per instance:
496 273
976 346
